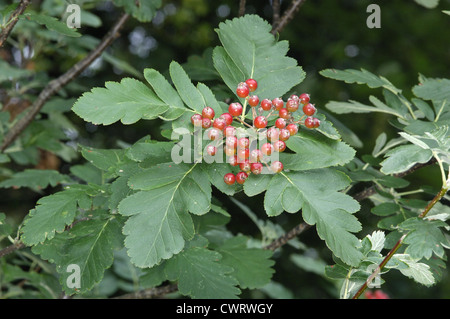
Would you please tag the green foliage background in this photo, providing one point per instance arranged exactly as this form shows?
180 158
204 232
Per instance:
324 34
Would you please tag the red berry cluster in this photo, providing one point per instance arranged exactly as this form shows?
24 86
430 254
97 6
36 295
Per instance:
237 150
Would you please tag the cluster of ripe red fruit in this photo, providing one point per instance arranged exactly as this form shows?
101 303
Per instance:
237 150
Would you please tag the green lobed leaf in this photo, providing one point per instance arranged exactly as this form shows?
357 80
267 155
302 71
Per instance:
316 193
433 89
34 178
51 23
201 274
252 266
250 50
127 101
142 10
52 214
403 157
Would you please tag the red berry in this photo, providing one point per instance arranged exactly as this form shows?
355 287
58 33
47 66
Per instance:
284 134
276 166
267 149
292 128
295 98
253 100
219 123
227 118
196 120
235 109
206 122
229 178
252 84
245 166
316 122
229 151
309 109
242 90
260 122
256 168
309 122
211 150
241 177
231 141
283 113
214 134
255 156
243 142
266 104
233 160
229 131
278 103
304 98
279 146
292 105
272 134
280 123
243 153
208 112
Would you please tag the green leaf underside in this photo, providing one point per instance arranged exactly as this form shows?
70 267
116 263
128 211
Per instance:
250 50
160 221
127 101
34 178
403 157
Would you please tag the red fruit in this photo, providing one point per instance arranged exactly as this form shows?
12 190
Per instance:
242 90
292 128
208 112
233 160
279 146
278 103
276 166
267 149
229 131
260 122
253 100
235 109
255 156
266 104
252 84
227 118
256 168
304 98
243 142
280 123
309 122
211 150
206 122
219 123
284 134
272 134
243 153
229 178
309 109
214 134
229 151
316 122
292 105
283 113
295 98
245 166
231 141
196 120
241 177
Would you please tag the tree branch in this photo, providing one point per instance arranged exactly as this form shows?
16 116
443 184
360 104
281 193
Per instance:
55 85
276 13
241 8
150 293
13 20
288 16
11 248
282 240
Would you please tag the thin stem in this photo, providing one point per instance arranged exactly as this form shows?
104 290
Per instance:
276 13
54 86
241 8
391 253
13 20
288 16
